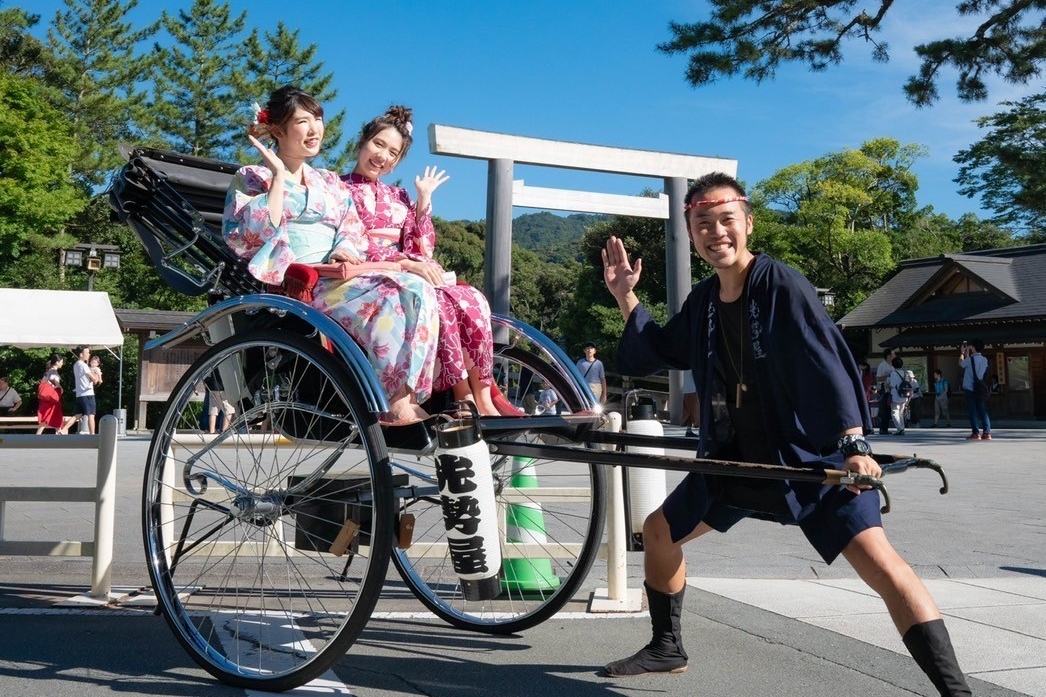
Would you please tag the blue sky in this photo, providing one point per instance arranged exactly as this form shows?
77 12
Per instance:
589 72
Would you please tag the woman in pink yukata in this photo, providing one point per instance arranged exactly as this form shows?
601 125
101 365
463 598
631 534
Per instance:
402 231
284 212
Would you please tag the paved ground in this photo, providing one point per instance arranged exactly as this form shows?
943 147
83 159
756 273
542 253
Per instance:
763 614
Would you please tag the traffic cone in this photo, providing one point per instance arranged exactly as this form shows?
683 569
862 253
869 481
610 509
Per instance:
525 523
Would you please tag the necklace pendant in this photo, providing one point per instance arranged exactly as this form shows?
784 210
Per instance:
740 388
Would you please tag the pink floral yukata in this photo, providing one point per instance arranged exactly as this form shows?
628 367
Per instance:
396 231
392 315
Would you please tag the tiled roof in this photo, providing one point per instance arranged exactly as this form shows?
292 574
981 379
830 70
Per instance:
1014 278
148 320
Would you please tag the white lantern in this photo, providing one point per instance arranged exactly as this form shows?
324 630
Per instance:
466 488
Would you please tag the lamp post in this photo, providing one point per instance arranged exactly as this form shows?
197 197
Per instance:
827 297
92 258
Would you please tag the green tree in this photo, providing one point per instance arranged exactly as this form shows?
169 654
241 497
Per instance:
930 234
274 59
541 290
976 234
199 101
555 237
460 248
99 70
754 38
849 215
37 194
21 53
1007 167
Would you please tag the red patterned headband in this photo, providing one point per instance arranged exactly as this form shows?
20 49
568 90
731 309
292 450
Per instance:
713 202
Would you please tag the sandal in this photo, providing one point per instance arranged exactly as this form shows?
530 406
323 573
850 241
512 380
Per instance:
409 434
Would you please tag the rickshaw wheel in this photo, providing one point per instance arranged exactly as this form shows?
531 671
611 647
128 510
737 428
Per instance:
551 524
249 532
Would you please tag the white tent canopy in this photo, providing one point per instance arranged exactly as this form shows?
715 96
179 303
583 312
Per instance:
57 319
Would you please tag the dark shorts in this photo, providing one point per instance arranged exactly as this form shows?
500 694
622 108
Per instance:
86 405
723 501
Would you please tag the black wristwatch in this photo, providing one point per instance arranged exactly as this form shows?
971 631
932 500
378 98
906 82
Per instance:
854 444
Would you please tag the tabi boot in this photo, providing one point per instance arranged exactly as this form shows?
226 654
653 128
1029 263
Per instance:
931 647
664 653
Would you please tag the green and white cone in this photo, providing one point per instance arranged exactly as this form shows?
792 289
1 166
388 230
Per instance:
525 523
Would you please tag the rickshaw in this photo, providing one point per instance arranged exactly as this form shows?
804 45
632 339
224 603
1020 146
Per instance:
268 541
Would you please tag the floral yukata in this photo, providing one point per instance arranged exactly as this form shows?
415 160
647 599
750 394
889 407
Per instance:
397 231
392 315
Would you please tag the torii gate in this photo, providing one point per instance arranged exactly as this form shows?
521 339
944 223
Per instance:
502 151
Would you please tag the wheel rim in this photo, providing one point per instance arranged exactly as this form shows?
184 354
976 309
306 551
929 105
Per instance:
246 519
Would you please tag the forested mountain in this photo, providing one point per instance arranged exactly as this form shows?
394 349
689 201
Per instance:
556 237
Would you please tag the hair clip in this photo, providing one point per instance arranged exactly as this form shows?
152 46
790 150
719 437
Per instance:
260 115
713 202
410 127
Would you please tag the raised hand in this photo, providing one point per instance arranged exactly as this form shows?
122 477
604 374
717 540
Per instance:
269 156
277 186
430 181
426 184
621 276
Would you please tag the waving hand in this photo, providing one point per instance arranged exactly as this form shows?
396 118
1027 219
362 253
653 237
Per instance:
620 275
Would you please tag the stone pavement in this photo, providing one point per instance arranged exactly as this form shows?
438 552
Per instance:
763 614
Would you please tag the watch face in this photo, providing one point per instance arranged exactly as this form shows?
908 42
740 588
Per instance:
857 446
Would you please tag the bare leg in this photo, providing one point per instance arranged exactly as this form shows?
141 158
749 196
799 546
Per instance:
663 562
476 391
913 611
481 391
463 392
882 568
90 424
212 423
404 405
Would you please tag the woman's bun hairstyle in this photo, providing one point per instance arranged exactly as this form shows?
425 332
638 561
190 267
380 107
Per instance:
396 116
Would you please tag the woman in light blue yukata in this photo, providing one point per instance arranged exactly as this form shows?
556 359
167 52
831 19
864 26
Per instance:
284 211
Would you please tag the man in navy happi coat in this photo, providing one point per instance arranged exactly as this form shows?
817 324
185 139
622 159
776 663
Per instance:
756 336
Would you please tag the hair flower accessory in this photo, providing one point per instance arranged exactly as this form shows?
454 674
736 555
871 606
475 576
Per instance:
259 128
410 127
260 115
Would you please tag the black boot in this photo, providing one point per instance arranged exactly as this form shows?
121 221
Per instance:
931 647
664 653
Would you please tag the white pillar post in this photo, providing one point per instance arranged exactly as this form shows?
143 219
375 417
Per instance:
616 597
104 509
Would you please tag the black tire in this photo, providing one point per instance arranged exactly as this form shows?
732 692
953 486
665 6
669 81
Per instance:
234 523
535 584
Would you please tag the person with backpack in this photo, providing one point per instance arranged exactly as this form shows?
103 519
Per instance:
974 372
900 394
